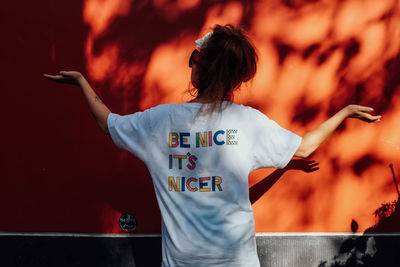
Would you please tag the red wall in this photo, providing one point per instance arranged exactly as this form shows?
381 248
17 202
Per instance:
61 174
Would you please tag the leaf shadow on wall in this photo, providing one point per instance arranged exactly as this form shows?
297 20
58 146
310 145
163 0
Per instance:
137 45
376 247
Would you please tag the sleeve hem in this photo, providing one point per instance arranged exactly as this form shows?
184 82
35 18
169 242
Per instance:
296 145
111 128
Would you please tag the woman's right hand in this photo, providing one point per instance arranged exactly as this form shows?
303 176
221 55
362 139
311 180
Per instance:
68 77
361 112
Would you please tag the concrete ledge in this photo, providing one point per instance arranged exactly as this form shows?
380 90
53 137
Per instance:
274 249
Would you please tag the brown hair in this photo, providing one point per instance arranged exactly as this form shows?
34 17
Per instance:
226 60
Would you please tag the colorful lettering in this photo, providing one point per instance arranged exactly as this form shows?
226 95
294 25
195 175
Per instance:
204 139
184 140
202 184
170 162
192 162
230 136
183 184
180 157
173 140
192 189
216 181
216 137
172 183
201 139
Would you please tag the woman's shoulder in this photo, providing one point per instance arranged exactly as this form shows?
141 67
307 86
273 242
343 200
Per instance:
162 111
245 108
163 107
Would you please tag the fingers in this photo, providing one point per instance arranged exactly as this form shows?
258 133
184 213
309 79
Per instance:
358 108
60 75
52 77
375 118
74 76
65 73
60 78
366 109
313 166
363 113
368 117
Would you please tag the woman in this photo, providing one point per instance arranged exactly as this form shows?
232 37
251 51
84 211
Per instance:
200 153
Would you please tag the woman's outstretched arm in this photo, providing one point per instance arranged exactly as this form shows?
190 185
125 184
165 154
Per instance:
314 138
98 109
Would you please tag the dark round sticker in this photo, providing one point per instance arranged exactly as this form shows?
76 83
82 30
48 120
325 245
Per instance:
127 222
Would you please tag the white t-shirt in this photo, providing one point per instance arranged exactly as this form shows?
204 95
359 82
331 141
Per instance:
200 165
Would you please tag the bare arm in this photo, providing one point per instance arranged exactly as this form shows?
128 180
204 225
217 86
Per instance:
98 109
314 138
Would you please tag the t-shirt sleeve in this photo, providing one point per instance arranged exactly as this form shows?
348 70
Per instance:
130 132
273 146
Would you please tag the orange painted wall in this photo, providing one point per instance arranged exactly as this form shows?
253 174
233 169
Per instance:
61 174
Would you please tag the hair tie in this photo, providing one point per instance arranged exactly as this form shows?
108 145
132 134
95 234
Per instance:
200 42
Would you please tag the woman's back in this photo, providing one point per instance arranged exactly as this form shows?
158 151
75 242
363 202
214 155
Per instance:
200 164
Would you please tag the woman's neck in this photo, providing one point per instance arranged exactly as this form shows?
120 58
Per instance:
201 101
